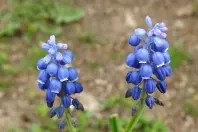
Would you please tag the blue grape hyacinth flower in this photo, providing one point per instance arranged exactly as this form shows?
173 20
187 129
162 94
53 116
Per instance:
150 62
59 79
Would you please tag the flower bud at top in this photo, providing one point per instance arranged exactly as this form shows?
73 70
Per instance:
148 22
45 46
67 57
59 56
62 46
140 32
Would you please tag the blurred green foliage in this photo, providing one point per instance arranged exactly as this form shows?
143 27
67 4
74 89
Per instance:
5 66
195 7
6 69
86 121
33 55
29 17
190 108
147 125
178 55
86 37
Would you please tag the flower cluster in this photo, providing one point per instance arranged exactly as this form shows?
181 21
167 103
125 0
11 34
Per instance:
151 60
58 78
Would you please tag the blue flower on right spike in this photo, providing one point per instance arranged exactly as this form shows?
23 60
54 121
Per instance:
150 60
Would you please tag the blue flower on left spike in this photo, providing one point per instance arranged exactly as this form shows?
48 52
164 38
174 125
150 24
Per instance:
59 79
151 62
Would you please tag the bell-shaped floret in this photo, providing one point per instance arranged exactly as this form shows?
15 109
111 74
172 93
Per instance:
160 73
135 93
133 77
73 74
50 97
162 86
60 111
158 59
128 93
69 88
168 70
77 104
146 71
78 87
131 61
66 101
134 40
149 86
43 77
41 65
63 74
61 126
44 86
150 101
142 55
52 69
55 86
166 57
160 45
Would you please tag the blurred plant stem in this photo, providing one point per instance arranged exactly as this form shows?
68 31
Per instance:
69 121
134 119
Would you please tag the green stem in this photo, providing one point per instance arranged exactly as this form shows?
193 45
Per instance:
114 123
69 121
134 119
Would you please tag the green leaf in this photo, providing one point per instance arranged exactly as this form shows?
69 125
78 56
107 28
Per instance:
68 15
114 123
36 128
178 55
